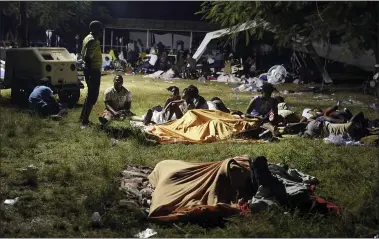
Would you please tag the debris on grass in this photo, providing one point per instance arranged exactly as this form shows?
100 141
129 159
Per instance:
96 219
11 201
30 174
146 234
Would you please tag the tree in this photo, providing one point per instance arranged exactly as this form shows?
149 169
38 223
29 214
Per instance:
59 16
355 24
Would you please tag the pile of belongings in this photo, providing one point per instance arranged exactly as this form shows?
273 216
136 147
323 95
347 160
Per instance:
206 191
202 126
275 75
251 85
341 140
2 69
228 78
169 74
136 186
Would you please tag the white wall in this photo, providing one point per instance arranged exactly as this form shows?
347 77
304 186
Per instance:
134 35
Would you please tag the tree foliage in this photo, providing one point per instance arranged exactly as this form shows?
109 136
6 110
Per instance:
58 15
355 24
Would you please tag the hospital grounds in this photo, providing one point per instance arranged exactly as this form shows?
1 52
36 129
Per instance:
78 171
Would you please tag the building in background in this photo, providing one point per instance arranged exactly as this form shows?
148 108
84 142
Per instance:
150 32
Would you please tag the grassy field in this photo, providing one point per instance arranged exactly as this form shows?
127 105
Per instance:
78 172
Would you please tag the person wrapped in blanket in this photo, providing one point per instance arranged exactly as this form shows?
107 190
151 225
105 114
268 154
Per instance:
175 107
265 107
118 101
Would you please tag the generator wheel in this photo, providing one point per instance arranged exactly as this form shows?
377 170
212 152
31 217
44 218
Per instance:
20 92
69 97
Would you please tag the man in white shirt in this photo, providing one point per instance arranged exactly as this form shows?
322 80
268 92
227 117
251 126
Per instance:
117 101
148 64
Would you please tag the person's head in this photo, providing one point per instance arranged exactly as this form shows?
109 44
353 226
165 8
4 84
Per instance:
174 90
44 82
117 82
279 99
267 89
185 94
192 91
215 98
96 28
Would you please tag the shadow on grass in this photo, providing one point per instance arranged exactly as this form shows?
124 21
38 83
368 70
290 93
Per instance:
129 132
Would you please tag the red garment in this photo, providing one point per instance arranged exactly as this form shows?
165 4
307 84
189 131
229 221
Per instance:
329 205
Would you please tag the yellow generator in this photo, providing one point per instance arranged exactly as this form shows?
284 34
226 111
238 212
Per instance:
25 66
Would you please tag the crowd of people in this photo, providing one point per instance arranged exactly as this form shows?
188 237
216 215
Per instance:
275 116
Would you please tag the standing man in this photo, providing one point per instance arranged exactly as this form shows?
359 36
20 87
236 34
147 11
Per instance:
91 53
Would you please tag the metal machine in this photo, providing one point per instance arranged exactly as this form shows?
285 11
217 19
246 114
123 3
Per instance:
25 66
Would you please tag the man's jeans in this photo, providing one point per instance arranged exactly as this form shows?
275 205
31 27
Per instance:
92 78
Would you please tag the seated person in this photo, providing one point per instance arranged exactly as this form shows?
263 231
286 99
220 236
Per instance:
175 95
193 99
265 108
158 115
163 62
107 64
190 70
147 64
117 100
43 102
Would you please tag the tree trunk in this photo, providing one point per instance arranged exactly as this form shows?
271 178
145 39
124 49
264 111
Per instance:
22 27
377 47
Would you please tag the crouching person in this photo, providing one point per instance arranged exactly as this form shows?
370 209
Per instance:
118 101
42 101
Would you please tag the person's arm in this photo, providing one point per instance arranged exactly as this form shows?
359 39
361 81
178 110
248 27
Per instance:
90 51
250 107
128 103
127 106
110 108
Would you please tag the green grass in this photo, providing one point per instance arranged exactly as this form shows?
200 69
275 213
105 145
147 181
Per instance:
78 172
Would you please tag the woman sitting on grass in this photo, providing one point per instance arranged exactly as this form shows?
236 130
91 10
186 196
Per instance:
175 109
265 108
158 115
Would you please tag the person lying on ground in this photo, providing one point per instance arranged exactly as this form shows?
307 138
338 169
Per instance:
118 102
265 108
331 114
43 102
173 109
317 129
217 104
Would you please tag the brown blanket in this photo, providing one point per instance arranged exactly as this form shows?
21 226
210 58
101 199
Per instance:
190 189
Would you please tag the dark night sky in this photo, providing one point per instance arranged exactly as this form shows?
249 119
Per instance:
178 10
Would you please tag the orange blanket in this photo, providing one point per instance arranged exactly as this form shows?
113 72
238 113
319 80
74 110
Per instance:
199 126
